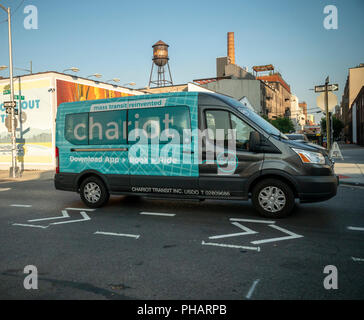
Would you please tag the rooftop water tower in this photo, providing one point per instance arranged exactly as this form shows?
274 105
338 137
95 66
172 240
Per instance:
160 59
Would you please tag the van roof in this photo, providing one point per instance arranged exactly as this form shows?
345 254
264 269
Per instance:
145 97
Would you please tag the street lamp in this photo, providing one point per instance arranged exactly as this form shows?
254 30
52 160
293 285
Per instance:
27 70
74 69
114 79
129 84
96 75
13 140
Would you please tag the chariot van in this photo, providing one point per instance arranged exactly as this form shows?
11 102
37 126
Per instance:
189 145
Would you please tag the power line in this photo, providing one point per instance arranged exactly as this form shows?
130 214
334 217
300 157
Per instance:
17 8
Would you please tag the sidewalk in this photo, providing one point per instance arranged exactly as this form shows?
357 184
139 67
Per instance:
351 169
27 175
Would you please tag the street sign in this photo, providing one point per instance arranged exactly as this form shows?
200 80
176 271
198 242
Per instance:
332 101
16 97
6 92
8 111
9 104
335 152
330 87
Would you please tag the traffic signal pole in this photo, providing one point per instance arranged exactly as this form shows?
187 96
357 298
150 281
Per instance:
12 172
328 133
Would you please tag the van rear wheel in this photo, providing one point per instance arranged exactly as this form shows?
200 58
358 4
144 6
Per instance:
273 198
93 192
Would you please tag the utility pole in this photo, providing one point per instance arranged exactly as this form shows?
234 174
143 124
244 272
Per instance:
328 133
12 115
324 103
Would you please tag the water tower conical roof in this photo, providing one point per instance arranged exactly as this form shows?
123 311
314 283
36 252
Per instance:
160 42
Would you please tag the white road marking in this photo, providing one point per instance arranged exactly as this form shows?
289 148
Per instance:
250 220
64 215
80 209
252 288
136 236
356 228
83 214
29 225
21 205
158 214
291 236
5 189
229 246
357 259
247 231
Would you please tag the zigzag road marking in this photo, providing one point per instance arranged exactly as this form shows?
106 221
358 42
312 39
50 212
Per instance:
64 215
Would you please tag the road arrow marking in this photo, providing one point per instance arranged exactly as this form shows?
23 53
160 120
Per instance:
64 215
229 246
291 236
356 228
357 259
29 225
158 214
80 209
83 214
136 236
246 229
21 205
252 288
254 221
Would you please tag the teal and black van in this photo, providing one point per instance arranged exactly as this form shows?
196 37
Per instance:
185 145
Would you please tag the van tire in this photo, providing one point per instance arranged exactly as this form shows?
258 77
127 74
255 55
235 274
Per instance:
273 198
93 192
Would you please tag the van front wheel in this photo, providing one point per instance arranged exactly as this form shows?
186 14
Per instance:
93 192
273 198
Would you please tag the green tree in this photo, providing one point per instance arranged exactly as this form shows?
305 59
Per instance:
285 125
338 126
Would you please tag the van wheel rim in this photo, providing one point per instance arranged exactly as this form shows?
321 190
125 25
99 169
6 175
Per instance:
272 199
92 192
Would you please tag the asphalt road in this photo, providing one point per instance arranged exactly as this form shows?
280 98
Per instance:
173 256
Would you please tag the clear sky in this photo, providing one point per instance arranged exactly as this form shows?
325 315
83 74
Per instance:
114 38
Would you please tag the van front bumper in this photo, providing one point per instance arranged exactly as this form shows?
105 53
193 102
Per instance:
316 188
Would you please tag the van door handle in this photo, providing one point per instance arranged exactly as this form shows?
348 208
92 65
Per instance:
185 151
98 149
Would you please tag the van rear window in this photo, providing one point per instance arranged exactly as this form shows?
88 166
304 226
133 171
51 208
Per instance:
96 128
76 128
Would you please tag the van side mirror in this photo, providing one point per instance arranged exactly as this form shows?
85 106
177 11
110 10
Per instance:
254 141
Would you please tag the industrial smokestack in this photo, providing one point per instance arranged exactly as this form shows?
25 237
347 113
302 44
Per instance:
231 47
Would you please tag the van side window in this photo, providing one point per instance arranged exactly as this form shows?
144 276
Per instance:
242 132
217 119
76 128
106 127
155 120
220 119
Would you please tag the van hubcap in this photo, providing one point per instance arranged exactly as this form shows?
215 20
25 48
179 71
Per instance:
272 199
92 192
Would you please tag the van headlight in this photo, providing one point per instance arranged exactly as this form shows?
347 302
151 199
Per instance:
310 157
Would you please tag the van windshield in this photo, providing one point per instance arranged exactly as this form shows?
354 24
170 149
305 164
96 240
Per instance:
261 122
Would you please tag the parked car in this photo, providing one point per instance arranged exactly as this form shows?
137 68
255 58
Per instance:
297 136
